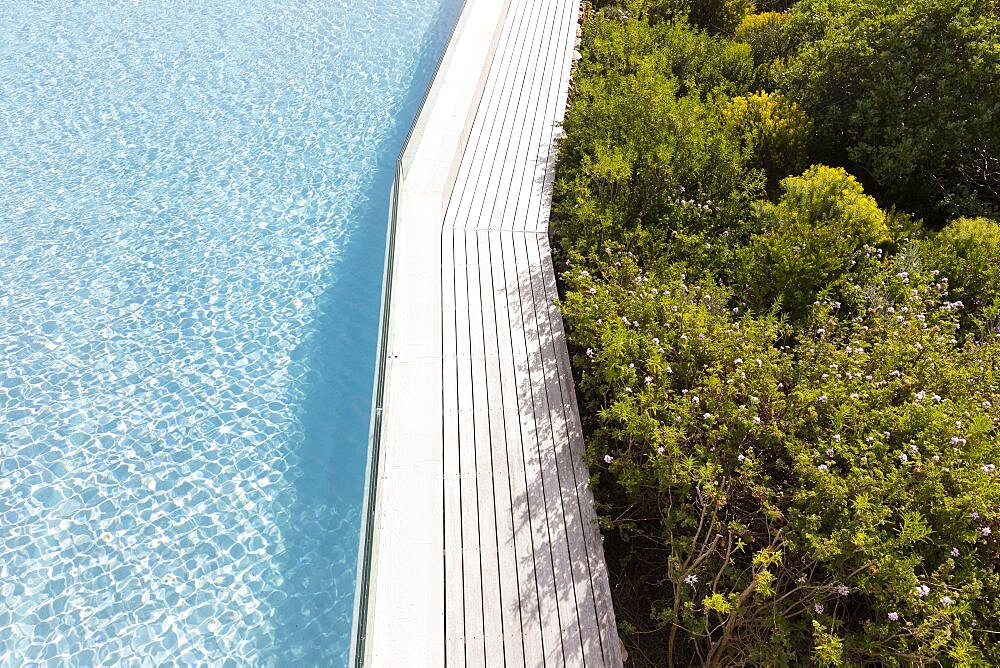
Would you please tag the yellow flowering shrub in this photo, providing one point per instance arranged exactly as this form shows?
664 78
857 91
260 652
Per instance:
774 128
766 35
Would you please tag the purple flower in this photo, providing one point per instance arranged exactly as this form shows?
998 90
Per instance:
955 552
986 531
843 590
608 459
974 515
946 600
923 590
829 452
818 608
822 467
893 616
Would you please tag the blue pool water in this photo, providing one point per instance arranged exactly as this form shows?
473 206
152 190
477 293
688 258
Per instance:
193 200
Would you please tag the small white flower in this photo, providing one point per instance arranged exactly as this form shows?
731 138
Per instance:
608 459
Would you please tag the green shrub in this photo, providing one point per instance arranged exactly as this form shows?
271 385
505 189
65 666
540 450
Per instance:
644 163
773 129
908 92
622 43
766 35
811 480
967 252
720 16
809 239
787 506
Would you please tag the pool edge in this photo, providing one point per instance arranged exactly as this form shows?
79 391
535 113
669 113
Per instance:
368 531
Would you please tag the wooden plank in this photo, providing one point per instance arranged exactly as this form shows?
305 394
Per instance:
540 164
580 579
498 153
549 622
478 408
463 580
559 537
492 401
472 558
484 145
535 119
520 125
524 545
610 644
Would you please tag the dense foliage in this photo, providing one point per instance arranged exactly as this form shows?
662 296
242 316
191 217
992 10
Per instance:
791 388
909 92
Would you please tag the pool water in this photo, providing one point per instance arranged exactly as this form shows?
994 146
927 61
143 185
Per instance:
193 203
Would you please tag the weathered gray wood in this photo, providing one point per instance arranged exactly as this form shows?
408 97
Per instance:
538 113
509 589
610 645
547 368
504 183
524 579
528 590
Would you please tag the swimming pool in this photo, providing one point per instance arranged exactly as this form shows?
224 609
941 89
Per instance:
193 201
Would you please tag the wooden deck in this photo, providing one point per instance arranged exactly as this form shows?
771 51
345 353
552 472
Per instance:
489 554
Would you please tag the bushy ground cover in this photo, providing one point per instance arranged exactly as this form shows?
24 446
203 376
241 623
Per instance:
782 292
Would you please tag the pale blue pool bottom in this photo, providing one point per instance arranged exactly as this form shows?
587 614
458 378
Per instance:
191 244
